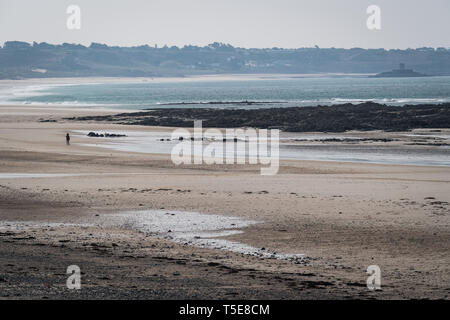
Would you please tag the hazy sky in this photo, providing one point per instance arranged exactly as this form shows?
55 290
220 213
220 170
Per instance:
245 23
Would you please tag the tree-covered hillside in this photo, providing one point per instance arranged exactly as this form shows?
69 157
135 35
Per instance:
24 60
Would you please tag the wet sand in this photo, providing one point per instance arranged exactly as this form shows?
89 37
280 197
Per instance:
343 216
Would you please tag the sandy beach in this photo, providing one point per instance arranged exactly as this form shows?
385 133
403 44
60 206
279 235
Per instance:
59 206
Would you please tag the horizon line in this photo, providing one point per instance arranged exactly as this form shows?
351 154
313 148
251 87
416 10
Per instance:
157 46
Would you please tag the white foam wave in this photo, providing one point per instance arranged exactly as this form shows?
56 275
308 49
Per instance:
390 100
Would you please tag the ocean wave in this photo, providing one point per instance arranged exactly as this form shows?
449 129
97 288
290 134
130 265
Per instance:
391 100
311 102
13 94
69 104
240 102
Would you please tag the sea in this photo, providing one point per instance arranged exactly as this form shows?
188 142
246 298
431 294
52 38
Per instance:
254 91
234 92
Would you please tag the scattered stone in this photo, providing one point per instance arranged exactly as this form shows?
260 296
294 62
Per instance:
105 135
47 120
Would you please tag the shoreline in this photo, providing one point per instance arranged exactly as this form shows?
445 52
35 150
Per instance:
343 216
418 147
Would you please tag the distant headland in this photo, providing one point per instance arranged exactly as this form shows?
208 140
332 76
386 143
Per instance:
21 60
400 73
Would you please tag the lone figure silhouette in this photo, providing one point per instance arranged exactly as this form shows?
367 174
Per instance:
67 139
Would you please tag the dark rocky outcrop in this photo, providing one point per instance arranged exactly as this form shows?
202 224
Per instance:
105 135
336 118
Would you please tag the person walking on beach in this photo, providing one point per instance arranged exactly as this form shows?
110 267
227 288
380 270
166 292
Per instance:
67 139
